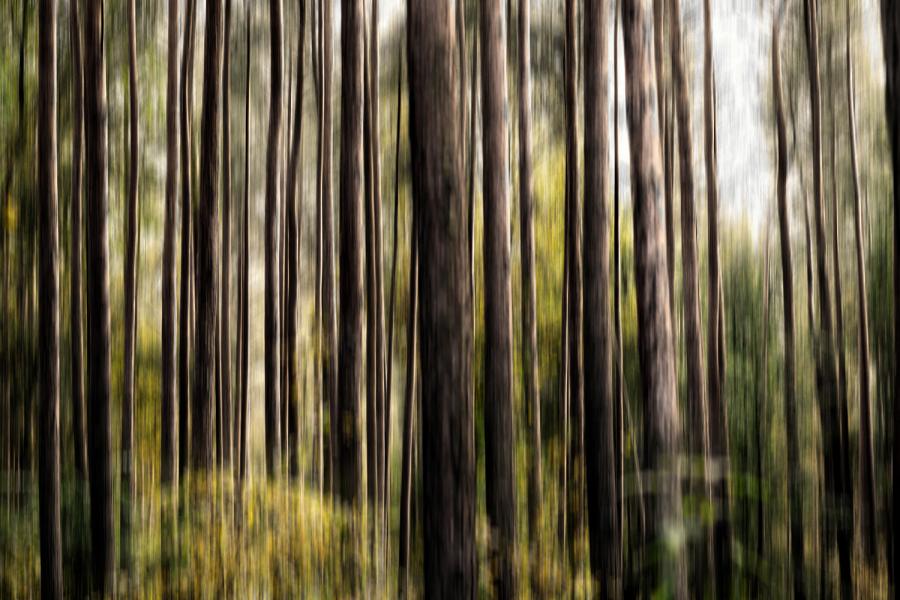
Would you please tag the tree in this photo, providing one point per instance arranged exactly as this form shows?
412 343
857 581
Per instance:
273 444
666 126
618 369
97 299
48 332
866 453
447 420
76 287
657 366
498 426
169 419
224 312
531 380
795 514
599 453
131 250
207 291
242 453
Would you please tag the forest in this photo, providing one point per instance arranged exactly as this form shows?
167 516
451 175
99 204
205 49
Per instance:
449 298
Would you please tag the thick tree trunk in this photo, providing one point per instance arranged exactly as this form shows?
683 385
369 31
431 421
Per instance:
867 511
600 469
531 380
48 284
131 249
662 428
498 393
795 514
272 419
225 310
448 435
666 122
352 238
76 286
97 299
169 419
207 214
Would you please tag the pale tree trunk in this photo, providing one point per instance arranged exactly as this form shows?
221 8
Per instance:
97 300
795 501
661 419
531 380
498 393
867 510
48 300
447 419
373 460
169 418
600 468
207 216
131 250
618 369
666 121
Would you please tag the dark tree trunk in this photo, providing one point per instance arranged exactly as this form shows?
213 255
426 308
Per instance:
272 419
618 369
169 419
599 410
131 251
448 435
795 514
867 511
97 300
242 454
225 310
661 419
352 238
498 400
76 290
207 214
48 284
184 337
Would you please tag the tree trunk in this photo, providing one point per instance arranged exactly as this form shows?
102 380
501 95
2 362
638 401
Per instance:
48 282
661 435
321 406
168 417
351 224
184 338
97 300
207 213
131 249
531 379
448 434
600 470
225 310
76 290
498 400
273 444
243 453
618 369
795 514
666 120
867 510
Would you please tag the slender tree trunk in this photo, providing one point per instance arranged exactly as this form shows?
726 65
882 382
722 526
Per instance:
718 420
184 338
225 310
618 369
867 510
795 514
207 290
48 328
531 379
351 224
76 290
654 319
245 273
169 418
97 300
448 435
273 444
599 411
321 406
498 400
131 250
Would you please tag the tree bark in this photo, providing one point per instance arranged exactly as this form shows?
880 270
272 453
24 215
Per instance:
225 310
666 121
97 300
867 512
272 419
169 417
48 328
662 428
131 250
618 369
795 514
245 267
448 435
599 411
